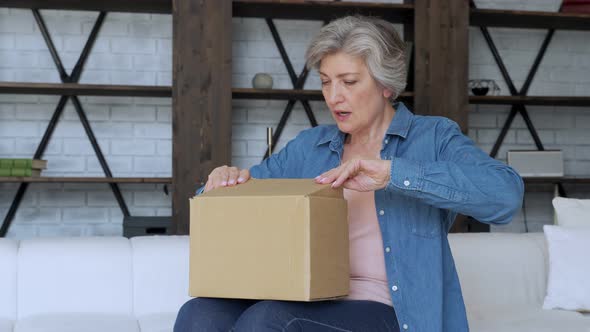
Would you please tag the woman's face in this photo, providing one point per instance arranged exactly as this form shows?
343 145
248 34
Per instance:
355 99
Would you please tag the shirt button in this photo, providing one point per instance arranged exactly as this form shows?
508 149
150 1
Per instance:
406 183
394 288
381 212
387 249
386 141
405 326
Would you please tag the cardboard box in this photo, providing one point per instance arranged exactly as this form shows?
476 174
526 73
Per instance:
280 239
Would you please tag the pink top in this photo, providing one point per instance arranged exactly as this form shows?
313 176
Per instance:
368 279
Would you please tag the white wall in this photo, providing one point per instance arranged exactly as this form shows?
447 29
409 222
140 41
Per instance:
135 133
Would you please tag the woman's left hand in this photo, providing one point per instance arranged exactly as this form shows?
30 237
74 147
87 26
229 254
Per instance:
359 175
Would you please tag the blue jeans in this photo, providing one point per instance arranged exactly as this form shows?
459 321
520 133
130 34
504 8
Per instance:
209 314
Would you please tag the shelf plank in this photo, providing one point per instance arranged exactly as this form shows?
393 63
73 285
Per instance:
276 94
134 6
43 179
529 19
70 89
532 100
280 9
321 10
286 94
553 180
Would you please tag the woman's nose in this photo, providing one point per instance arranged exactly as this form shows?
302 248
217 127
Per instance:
335 94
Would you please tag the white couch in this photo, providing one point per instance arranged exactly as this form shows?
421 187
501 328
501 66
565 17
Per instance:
93 284
504 280
116 284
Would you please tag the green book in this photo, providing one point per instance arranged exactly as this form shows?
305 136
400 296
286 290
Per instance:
22 163
20 172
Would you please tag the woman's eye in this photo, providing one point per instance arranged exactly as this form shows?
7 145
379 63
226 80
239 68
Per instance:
349 82
325 83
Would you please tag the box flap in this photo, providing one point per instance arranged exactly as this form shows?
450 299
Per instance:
277 187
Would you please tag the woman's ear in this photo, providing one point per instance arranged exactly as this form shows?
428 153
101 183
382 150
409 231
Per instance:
387 93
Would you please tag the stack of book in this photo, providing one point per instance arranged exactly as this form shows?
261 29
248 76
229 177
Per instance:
22 167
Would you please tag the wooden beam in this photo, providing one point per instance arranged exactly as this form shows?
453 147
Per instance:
441 58
440 65
201 93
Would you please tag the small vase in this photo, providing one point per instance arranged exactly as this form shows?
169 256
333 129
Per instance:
262 81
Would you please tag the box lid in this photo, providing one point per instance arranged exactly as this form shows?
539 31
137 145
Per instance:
277 187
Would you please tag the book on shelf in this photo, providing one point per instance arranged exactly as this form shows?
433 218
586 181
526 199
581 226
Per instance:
20 172
21 163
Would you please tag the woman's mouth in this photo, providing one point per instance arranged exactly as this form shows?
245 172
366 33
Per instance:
341 115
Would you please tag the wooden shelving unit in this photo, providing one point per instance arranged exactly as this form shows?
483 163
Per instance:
205 93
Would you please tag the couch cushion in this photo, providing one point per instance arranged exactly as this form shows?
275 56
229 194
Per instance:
528 320
74 275
160 274
157 322
76 322
571 212
8 255
569 268
501 270
5 325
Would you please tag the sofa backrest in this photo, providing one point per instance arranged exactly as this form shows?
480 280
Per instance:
499 271
74 275
160 274
8 254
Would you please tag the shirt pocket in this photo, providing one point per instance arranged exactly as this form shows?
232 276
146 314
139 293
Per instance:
426 228
425 221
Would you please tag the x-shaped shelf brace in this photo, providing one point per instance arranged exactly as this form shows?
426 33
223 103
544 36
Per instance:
298 82
518 108
65 78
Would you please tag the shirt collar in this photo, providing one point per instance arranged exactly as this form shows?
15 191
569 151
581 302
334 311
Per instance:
400 126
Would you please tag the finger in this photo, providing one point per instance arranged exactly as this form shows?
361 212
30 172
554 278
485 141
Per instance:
232 177
207 186
244 176
348 172
341 178
329 176
219 177
210 181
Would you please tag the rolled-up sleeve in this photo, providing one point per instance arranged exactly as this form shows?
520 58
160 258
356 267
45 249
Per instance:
463 179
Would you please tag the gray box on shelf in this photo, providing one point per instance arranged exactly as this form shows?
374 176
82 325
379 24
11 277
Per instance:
140 226
527 163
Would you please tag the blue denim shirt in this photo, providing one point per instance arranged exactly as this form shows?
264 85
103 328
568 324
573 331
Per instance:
436 173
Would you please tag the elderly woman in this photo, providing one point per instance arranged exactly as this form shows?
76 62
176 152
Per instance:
405 178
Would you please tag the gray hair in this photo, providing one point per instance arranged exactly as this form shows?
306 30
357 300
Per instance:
373 39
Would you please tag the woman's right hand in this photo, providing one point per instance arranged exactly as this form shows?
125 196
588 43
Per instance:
225 176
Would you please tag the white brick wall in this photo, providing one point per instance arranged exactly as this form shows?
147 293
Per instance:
135 133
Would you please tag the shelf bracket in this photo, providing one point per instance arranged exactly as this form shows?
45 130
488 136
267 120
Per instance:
298 82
